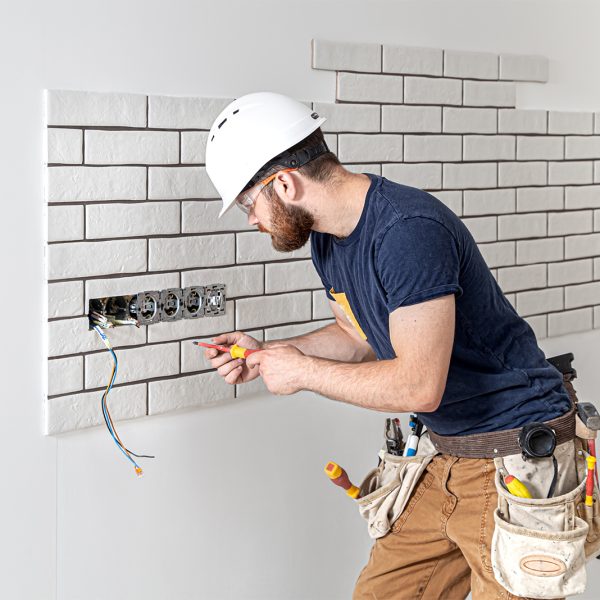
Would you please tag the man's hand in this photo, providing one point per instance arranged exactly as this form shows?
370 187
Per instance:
283 368
233 370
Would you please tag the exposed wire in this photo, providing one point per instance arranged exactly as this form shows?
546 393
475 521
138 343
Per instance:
105 412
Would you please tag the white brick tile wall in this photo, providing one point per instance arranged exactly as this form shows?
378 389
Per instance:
411 119
469 120
569 172
570 321
519 120
131 147
245 280
522 173
410 60
565 223
203 217
287 331
363 168
165 254
582 146
539 324
357 148
475 65
172 183
273 310
572 271
95 184
65 299
540 198
488 147
469 175
65 375
489 202
585 294
597 268
364 87
597 220
586 196
514 227
431 90
534 251
483 229
78 411
173 112
321 308
193 147
520 67
118 220
597 122
489 93
540 147
65 223
87 259
597 171
349 117
540 301
579 246
570 122
427 176
346 56
596 317
512 279
453 199
499 254
65 146
424 148
257 247
291 276
66 107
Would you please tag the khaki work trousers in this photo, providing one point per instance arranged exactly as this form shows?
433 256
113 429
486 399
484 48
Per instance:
439 547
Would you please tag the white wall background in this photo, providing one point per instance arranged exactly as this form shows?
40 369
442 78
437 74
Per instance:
236 505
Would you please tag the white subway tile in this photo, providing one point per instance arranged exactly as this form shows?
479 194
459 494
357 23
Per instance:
469 175
65 375
564 122
569 172
273 310
65 146
453 199
489 93
570 321
573 271
412 60
204 389
239 281
65 299
361 87
539 198
65 223
539 301
535 147
331 139
514 227
585 294
597 268
363 168
202 216
174 112
475 65
566 222
580 246
470 120
430 148
483 229
545 250
346 56
488 147
585 196
321 308
66 107
521 67
125 286
349 117
117 220
499 254
87 259
597 171
427 176
597 220
95 184
288 331
513 279
518 174
539 325
518 120
357 148
135 364
291 276
78 411
257 247
432 90
597 122
411 119
596 317
489 202
256 387
193 147
582 146
173 183
191 252
131 147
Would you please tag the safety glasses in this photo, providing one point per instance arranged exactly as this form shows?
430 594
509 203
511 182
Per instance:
245 201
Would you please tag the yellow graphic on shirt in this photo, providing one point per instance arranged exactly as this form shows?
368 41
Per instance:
343 303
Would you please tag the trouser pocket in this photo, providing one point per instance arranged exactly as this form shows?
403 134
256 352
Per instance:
386 489
538 546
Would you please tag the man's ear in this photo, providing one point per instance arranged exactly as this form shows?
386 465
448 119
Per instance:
288 186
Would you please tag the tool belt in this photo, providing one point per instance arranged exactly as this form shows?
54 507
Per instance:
494 444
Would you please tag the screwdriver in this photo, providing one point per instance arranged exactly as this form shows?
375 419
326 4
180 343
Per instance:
516 487
235 351
340 477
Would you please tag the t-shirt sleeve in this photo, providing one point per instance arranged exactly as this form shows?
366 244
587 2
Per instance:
417 260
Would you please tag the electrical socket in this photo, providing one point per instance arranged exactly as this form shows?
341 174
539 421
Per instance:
171 305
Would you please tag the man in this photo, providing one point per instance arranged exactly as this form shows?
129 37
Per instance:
420 326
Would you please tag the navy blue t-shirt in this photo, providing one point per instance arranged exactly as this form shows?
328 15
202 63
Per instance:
408 247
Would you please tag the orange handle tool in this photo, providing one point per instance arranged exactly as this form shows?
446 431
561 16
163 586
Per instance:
235 350
589 482
340 477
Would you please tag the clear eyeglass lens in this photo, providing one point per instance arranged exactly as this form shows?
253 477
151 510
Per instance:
244 202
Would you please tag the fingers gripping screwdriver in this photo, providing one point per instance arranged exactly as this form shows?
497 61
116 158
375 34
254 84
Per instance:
235 351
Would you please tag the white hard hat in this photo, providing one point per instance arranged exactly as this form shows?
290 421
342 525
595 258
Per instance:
250 132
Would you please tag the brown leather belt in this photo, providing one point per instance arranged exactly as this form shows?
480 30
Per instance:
506 442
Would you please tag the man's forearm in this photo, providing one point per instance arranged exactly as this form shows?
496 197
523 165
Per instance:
330 342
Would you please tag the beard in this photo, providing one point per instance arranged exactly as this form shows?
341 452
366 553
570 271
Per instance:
290 225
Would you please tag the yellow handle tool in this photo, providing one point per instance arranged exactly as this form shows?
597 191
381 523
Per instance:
516 487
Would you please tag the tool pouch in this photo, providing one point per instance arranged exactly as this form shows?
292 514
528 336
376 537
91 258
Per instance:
386 489
538 546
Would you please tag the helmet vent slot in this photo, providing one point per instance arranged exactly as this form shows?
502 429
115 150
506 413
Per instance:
222 122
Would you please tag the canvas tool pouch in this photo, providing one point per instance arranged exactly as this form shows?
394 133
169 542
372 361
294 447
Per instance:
387 488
